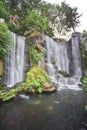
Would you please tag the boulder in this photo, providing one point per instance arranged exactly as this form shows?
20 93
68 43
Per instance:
48 87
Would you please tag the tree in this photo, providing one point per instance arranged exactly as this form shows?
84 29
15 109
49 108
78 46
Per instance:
22 7
3 11
62 17
35 20
50 12
71 16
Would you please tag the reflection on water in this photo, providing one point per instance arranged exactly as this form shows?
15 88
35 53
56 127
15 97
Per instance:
63 110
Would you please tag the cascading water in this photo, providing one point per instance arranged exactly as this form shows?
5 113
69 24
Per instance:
14 66
76 57
58 63
58 53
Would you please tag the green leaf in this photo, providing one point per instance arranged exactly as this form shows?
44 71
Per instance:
40 89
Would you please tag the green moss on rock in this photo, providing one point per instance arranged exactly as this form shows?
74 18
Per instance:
53 60
35 78
37 73
6 94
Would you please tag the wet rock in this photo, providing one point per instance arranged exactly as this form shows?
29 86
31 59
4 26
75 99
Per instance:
60 40
65 74
1 67
48 87
76 34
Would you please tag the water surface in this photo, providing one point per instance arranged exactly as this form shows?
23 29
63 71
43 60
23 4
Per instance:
63 110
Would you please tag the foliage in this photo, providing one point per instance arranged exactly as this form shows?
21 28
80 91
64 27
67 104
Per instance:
32 33
3 11
72 16
84 83
35 20
35 78
83 49
61 18
83 55
15 28
6 95
35 56
49 31
50 12
5 40
43 16
21 7
84 36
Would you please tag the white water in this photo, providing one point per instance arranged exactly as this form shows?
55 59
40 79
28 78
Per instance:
59 51
77 69
24 96
14 69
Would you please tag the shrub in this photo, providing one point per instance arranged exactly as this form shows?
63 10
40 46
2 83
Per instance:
35 20
35 56
34 80
84 83
5 40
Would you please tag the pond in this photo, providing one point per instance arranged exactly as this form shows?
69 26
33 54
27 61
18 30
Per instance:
62 110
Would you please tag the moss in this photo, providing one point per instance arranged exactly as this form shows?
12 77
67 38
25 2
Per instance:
6 95
32 33
34 79
38 47
37 73
65 74
34 55
84 55
52 60
35 34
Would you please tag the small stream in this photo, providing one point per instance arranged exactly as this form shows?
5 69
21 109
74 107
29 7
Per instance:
62 110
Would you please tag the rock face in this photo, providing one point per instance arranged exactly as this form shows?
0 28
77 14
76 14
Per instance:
48 87
1 68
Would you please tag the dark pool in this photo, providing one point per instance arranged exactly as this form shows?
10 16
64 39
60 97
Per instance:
63 110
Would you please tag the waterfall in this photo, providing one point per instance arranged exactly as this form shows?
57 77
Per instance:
64 59
76 57
14 64
57 52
